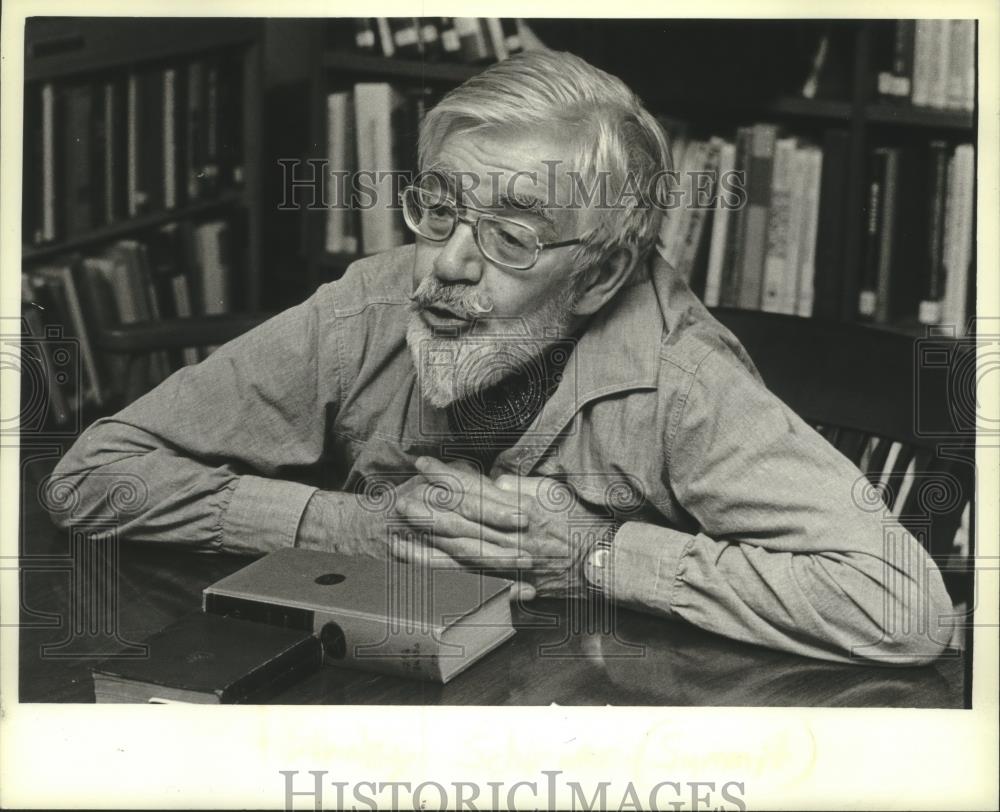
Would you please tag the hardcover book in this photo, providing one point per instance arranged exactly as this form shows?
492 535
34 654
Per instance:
372 614
208 659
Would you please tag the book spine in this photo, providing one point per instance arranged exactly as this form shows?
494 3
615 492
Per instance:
136 201
800 166
941 49
924 61
887 236
776 257
835 291
902 59
720 228
77 161
700 208
385 38
810 231
969 77
451 43
472 39
365 34
48 163
497 39
194 129
405 37
758 209
109 161
868 295
958 235
930 305
430 38
169 136
737 227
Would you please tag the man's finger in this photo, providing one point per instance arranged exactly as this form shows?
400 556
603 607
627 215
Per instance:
418 554
481 554
445 473
450 523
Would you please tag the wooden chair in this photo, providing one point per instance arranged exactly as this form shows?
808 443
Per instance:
901 408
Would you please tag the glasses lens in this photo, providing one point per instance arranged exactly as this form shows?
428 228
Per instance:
508 243
427 214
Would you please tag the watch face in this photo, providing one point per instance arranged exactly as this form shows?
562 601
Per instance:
594 567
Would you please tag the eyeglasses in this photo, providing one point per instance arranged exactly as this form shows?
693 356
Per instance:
501 240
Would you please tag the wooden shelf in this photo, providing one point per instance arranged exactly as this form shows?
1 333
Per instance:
411 69
127 227
67 46
908 116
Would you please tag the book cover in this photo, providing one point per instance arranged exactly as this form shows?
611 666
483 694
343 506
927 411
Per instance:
887 235
875 185
754 247
805 297
377 108
341 225
373 614
78 196
835 285
958 237
732 266
208 659
721 218
929 311
776 258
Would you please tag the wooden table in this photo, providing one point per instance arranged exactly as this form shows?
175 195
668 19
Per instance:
553 657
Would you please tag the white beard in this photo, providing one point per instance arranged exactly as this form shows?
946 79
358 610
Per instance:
454 368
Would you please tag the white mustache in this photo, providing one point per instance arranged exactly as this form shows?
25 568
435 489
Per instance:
462 302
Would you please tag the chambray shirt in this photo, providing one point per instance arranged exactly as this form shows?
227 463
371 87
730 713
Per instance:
737 516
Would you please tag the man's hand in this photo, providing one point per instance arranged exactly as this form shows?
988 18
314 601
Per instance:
535 525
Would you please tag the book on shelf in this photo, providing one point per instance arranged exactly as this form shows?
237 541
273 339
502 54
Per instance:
937 166
835 295
959 244
378 108
341 218
472 40
208 659
942 69
102 150
759 177
370 614
876 291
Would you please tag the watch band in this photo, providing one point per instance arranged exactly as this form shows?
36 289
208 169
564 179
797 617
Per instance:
597 561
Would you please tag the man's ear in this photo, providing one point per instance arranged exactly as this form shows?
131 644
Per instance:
601 282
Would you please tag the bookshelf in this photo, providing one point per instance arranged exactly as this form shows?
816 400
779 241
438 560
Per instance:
771 91
169 114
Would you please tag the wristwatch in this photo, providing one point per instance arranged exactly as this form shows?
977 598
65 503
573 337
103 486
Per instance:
597 561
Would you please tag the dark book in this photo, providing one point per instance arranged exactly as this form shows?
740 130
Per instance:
151 143
731 268
832 279
79 194
51 164
430 38
887 234
406 37
31 169
230 122
372 614
892 59
872 234
110 152
208 659
929 311
194 129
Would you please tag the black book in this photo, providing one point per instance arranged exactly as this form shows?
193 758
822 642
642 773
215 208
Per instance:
31 177
731 267
933 265
208 659
873 213
833 285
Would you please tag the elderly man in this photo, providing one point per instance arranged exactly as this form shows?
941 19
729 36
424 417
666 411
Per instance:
530 389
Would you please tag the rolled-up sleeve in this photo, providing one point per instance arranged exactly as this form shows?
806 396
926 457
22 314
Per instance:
217 456
787 555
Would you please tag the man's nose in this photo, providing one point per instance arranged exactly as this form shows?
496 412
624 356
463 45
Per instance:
459 260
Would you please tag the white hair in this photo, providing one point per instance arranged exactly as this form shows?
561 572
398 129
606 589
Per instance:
613 134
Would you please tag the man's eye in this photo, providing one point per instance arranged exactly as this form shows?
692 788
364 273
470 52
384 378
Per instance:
512 240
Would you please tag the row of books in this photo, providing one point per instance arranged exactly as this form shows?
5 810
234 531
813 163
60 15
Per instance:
471 40
104 150
758 255
179 270
371 128
920 218
783 249
928 63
